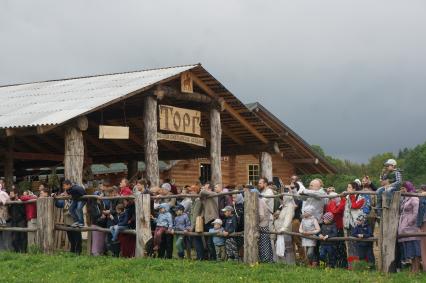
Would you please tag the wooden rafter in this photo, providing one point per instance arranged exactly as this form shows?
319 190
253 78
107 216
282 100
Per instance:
230 110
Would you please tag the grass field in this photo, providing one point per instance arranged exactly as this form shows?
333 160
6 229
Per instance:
70 268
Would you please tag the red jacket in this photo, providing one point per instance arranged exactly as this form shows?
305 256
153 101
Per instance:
356 203
30 208
337 211
126 191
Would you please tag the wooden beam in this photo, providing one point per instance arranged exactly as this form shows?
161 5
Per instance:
304 161
96 142
41 130
150 138
251 228
34 145
74 155
51 143
42 156
230 110
215 147
165 91
233 136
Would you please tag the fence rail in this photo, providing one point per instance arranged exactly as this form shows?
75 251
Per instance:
386 239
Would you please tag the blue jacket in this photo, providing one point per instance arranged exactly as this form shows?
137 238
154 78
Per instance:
76 192
123 218
182 223
422 211
366 232
230 224
217 241
164 220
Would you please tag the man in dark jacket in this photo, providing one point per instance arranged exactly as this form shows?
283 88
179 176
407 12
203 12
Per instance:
77 204
230 226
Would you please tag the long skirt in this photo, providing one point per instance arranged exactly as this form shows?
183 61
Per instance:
98 242
409 249
265 247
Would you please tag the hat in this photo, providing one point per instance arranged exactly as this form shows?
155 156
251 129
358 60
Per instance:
166 186
358 181
361 218
179 207
328 217
227 208
164 205
217 221
390 162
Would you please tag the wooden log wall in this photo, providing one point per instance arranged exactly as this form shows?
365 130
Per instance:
150 137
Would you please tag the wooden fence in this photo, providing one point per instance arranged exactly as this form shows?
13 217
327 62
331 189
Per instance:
387 238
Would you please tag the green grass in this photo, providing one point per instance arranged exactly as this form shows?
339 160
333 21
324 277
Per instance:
69 268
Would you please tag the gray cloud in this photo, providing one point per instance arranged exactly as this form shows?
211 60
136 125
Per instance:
348 75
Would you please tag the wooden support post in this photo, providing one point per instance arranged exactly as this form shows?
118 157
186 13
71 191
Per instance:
388 234
266 166
74 155
215 146
150 138
45 224
251 228
8 162
143 223
132 169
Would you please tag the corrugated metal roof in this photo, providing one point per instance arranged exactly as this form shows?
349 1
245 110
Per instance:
55 102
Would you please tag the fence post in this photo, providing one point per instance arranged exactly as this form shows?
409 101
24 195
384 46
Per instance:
388 233
251 228
45 224
143 223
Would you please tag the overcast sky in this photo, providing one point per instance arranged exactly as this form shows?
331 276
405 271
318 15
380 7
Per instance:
347 75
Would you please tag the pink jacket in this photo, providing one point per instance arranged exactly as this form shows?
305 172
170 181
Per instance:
407 220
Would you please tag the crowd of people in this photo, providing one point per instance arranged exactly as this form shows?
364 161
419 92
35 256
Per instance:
316 213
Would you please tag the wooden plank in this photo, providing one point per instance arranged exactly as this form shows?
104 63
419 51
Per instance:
304 161
182 138
389 233
232 135
251 228
230 110
150 138
143 223
45 224
9 162
215 146
113 132
180 120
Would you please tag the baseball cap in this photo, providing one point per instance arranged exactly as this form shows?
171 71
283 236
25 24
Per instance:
217 221
390 162
227 208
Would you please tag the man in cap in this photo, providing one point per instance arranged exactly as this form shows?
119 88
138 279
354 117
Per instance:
391 181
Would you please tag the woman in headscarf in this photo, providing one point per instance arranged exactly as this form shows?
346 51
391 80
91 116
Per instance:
409 247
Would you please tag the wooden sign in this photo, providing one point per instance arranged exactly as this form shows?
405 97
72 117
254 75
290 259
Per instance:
113 132
186 84
180 120
182 138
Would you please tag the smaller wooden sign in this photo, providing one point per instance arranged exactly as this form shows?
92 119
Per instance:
182 138
186 84
113 132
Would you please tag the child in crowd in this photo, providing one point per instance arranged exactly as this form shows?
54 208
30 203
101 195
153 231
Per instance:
391 181
328 248
309 226
219 242
123 218
181 223
76 208
163 222
230 226
362 230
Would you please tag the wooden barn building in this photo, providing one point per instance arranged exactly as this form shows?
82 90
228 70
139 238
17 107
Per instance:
178 123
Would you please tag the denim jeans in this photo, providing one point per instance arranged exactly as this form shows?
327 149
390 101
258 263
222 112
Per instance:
366 253
76 211
388 193
115 231
180 246
199 247
327 254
